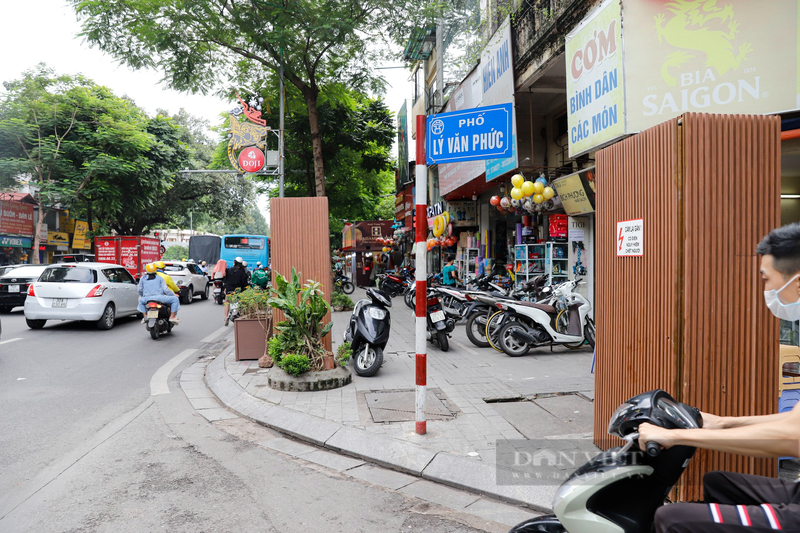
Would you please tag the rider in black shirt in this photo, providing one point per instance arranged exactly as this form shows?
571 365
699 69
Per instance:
235 278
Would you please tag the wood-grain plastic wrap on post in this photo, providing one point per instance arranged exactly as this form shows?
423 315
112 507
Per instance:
300 238
689 315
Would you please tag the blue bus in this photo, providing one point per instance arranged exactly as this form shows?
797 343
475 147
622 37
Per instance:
251 248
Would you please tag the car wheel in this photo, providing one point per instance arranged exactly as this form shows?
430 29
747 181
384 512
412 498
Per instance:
35 324
204 295
184 297
107 320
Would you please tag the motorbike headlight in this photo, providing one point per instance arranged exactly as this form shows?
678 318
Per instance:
376 312
566 489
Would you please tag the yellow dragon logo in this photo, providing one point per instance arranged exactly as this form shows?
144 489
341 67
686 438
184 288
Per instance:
686 30
243 135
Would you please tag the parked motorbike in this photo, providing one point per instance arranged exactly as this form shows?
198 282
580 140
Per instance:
397 283
368 332
157 319
342 283
563 320
622 488
439 325
219 291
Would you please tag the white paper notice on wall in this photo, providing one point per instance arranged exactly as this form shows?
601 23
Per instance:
630 238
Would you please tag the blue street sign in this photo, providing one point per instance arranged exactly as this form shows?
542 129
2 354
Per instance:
469 134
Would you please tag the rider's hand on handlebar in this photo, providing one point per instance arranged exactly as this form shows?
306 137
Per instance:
651 433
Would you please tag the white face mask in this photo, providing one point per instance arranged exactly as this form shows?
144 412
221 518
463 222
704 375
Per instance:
790 311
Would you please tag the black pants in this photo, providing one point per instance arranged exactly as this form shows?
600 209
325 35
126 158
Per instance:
735 502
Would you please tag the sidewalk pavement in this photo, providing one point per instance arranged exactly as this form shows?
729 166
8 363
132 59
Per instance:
483 407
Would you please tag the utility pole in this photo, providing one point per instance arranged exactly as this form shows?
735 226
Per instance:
280 136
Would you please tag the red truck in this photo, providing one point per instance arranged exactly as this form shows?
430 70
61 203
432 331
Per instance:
132 252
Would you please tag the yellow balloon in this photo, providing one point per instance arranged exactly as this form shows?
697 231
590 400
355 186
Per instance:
517 180
438 226
538 188
516 193
538 198
446 216
527 188
548 193
386 249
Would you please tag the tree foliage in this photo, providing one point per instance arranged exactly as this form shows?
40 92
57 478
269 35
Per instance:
322 44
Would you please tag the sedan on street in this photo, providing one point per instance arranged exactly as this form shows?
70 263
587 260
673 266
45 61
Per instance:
94 292
14 285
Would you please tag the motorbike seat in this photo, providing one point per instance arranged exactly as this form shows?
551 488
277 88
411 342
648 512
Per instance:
549 309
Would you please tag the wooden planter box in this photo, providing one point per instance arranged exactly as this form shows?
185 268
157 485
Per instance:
251 336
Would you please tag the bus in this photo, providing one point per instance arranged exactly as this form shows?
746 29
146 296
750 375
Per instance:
251 248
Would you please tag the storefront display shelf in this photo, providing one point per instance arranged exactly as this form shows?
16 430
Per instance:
529 261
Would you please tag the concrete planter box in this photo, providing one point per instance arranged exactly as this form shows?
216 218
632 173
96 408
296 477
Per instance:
309 381
251 336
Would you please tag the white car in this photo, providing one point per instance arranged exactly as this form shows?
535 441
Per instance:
189 279
95 292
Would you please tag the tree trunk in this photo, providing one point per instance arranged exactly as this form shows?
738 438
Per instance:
316 138
36 232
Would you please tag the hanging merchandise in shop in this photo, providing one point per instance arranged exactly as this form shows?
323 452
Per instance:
526 197
633 67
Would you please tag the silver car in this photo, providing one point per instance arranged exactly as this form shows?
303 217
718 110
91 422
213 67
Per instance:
95 292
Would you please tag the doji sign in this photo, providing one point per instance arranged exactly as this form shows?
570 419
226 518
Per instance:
251 159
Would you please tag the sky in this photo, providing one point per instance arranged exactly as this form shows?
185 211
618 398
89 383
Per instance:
46 31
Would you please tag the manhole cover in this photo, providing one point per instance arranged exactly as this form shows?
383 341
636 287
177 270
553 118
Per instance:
399 406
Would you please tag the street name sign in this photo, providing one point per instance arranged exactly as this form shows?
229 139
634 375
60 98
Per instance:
470 134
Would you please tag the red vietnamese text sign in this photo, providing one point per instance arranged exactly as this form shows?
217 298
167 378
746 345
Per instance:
16 218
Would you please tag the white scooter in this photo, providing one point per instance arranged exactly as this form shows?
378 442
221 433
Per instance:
620 490
565 320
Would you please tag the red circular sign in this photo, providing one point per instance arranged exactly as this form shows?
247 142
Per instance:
251 159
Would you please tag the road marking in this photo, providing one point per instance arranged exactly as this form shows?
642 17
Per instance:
216 334
11 340
158 383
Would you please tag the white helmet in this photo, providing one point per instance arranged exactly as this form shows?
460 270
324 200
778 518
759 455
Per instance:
238 260
244 263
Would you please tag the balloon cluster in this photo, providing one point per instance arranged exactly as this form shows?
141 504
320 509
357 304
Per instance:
386 243
443 241
531 196
442 232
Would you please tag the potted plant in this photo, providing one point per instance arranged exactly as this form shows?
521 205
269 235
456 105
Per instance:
302 331
253 328
341 302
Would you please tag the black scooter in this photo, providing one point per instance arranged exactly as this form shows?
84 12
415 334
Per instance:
368 332
439 324
621 489
157 319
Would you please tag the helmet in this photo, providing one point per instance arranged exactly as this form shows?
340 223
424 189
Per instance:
203 263
238 260
258 264
191 260
150 268
244 263
160 264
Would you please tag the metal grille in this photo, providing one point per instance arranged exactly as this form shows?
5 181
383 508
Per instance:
689 315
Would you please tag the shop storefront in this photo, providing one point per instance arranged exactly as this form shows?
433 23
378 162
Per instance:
363 249
16 228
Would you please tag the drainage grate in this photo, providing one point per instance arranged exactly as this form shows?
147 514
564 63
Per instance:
399 406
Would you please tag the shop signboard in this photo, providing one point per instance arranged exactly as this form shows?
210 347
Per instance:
469 95
15 242
630 234
402 146
684 56
348 236
470 134
63 217
58 238
16 218
577 192
497 77
463 213
595 82
399 205
43 234
79 240
251 159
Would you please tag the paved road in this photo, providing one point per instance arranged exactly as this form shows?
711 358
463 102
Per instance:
85 446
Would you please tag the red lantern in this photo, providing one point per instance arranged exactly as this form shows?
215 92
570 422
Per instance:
494 200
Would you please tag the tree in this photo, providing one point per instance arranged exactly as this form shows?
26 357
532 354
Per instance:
69 137
176 252
199 45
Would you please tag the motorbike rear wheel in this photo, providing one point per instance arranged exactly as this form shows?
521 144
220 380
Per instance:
511 346
410 298
476 329
443 340
492 329
155 331
368 361
589 333
348 287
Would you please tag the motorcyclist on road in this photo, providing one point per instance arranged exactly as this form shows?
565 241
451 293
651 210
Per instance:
153 287
247 271
741 502
204 267
260 278
236 278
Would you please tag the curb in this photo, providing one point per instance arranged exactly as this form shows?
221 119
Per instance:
441 467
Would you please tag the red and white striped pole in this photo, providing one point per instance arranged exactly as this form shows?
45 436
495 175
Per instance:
421 270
